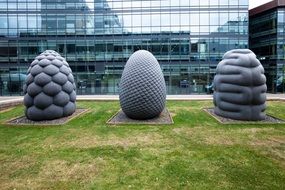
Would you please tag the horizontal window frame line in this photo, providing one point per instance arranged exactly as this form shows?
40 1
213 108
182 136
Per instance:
93 12
222 35
119 63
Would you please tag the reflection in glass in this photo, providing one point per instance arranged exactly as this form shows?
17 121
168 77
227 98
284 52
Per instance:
97 37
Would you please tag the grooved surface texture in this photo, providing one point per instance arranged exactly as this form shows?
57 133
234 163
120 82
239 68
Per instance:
142 87
240 86
49 88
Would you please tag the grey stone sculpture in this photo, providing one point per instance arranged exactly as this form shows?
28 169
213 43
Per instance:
142 87
49 88
240 86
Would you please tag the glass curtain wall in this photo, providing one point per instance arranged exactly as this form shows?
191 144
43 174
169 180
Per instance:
188 37
267 40
280 78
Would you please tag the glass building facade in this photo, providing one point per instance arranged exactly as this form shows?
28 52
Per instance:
267 40
188 37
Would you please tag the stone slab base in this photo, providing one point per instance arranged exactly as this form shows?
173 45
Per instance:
121 118
268 119
22 120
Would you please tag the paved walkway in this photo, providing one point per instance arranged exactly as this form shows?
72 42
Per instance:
6 99
169 97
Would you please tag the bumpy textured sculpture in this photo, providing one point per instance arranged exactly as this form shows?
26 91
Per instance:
240 86
142 87
49 88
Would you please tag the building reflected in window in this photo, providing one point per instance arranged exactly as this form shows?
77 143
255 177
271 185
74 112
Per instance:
97 37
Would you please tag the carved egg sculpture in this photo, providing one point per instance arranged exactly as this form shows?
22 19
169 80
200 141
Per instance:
49 88
240 86
142 87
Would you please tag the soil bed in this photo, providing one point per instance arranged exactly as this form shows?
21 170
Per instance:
268 119
23 120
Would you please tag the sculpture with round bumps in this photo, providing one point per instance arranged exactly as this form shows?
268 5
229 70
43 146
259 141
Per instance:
50 91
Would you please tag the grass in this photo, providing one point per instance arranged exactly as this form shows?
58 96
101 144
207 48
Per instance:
195 153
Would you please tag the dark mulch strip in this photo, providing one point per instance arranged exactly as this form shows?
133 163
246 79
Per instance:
121 118
9 105
6 109
268 119
22 120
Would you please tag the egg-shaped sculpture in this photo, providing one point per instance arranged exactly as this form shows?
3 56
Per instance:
50 91
142 87
240 86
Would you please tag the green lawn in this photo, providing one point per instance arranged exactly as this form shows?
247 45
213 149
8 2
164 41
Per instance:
195 153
